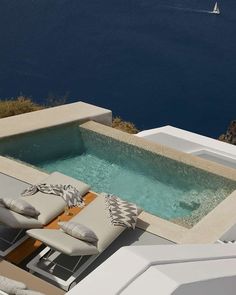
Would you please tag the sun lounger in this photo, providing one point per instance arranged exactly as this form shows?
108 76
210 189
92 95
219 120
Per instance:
48 262
49 206
10 186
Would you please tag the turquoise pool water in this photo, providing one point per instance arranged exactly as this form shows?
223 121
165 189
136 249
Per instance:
159 185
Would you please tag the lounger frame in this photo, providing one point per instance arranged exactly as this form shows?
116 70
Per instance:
14 243
48 254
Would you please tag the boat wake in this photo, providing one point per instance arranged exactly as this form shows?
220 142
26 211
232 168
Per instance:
215 10
189 9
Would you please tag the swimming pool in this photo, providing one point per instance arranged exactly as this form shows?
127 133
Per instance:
160 185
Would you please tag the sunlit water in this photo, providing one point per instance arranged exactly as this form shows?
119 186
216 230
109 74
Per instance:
159 185
153 62
150 193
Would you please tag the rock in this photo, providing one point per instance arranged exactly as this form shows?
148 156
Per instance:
230 135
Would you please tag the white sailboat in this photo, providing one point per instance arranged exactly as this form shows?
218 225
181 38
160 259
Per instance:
216 9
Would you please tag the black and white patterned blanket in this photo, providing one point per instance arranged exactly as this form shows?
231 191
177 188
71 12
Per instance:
121 212
70 194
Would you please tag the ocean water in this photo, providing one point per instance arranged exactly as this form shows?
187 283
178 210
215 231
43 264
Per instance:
153 62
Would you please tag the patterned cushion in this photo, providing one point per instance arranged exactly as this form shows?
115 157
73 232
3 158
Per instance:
122 212
28 292
78 231
10 286
20 206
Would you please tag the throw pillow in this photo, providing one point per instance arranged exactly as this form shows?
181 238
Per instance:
20 206
78 231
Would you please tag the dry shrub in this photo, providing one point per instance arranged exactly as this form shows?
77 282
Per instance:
22 104
125 126
19 105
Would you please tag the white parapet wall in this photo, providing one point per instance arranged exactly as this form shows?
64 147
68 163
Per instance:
192 143
73 112
164 270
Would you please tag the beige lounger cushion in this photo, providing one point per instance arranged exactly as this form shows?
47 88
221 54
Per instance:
20 206
49 205
62 242
10 286
59 178
16 220
94 216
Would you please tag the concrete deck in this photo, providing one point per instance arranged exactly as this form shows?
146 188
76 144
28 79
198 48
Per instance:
208 230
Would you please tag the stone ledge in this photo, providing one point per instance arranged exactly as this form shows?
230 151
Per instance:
74 112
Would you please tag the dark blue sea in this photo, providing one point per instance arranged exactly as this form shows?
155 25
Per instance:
153 62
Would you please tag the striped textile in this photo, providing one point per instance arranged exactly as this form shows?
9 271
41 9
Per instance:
121 212
70 194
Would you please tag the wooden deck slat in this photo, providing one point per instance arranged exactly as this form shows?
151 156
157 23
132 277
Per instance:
30 245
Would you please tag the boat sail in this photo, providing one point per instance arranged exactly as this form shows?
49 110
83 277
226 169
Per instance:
216 9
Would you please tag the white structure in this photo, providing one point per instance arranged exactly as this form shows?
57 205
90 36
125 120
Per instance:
164 269
192 143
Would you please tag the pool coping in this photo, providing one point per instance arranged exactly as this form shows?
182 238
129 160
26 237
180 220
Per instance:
55 116
207 230
212 226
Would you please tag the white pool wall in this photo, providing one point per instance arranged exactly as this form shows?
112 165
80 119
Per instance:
192 143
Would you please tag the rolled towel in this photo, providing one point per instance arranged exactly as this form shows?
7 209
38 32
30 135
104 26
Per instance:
28 292
10 286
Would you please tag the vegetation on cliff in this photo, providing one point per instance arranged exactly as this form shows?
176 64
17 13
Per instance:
22 104
19 105
230 135
125 126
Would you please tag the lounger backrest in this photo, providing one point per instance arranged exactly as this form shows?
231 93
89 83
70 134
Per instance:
50 206
95 216
58 178
16 220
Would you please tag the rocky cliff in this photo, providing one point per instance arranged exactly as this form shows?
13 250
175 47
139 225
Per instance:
230 135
